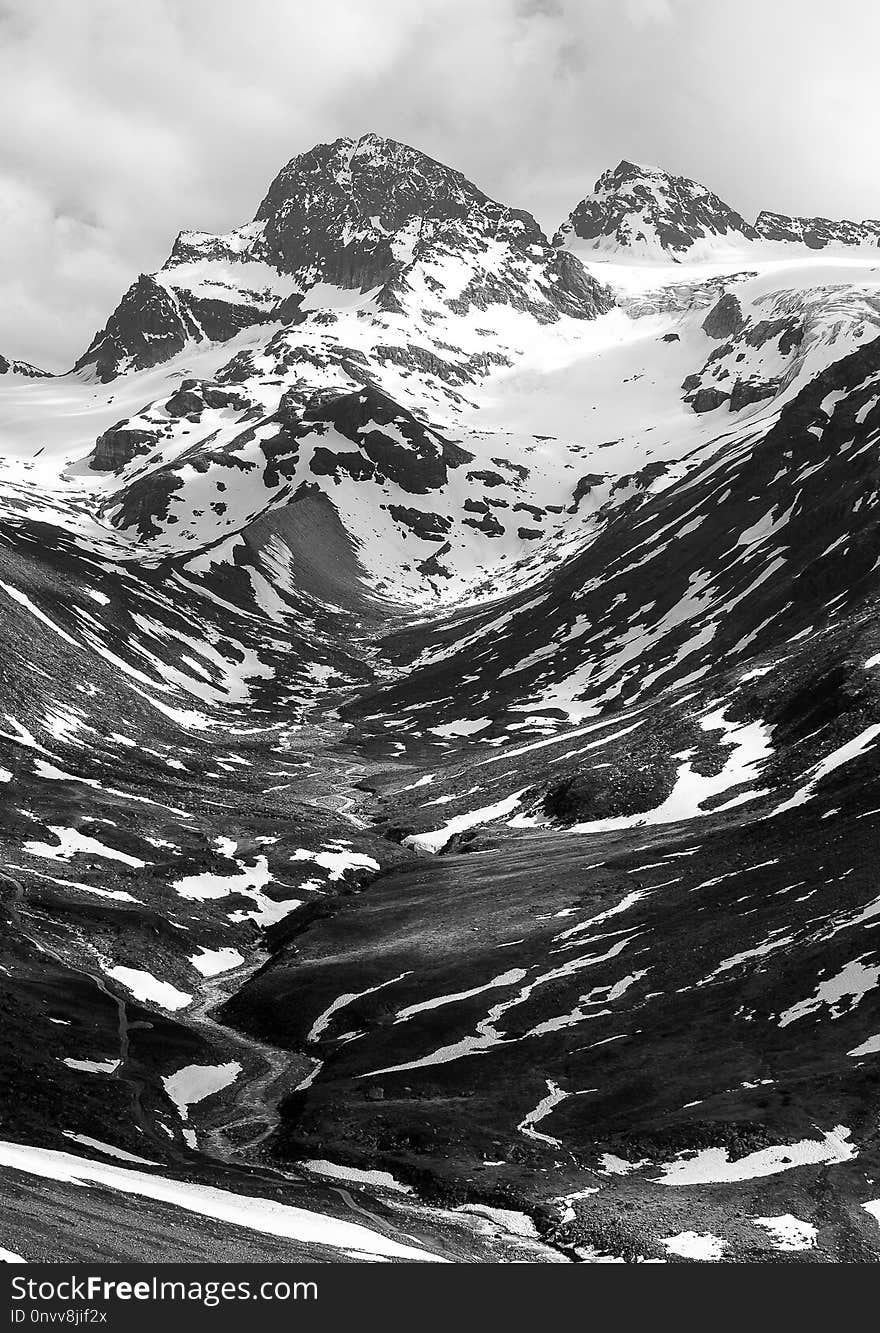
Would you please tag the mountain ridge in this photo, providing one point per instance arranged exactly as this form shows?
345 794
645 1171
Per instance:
313 232
649 213
314 237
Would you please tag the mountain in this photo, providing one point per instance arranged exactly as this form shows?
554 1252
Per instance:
647 213
15 367
817 233
353 222
438 729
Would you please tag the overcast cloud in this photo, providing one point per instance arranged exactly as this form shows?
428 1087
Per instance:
128 120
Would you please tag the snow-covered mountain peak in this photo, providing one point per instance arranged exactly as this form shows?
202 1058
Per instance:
357 216
650 214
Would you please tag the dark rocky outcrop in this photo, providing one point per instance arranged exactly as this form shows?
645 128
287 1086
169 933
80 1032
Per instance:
584 486
418 464
119 445
746 392
725 317
193 396
430 527
706 400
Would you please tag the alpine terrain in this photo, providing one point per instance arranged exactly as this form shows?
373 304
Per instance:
439 710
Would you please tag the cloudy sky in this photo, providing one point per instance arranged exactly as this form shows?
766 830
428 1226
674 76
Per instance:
126 121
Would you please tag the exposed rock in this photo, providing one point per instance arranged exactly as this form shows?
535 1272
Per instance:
487 477
488 525
706 400
149 325
430 527
418 466
749 391
193 396
119 445
725 317
584 486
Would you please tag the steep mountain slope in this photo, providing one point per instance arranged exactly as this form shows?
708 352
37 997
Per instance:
437 730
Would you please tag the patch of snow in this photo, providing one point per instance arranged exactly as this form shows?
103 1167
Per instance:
619 1166
338 862
71 841
322 1022
554 1096
379 1179
869 1047
789 1232
211 962
711 1166
851 983
438 838
695 1245
194 1083
108 1149
145 987
92 1066
462 728
514 1223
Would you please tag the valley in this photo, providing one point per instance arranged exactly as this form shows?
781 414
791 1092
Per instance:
438 713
